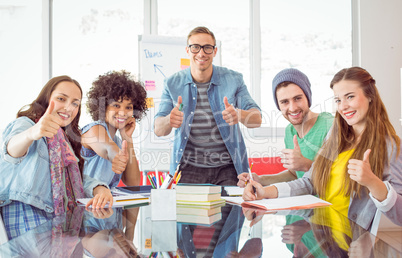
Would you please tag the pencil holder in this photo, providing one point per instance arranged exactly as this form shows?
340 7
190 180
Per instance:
163 204
164 236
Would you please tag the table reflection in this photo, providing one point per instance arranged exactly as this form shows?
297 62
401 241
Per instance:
242 232
216 240
57 237
94 233
323 232
109 232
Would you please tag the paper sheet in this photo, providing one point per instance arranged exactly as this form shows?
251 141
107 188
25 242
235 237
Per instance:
120 201
286 203
234 190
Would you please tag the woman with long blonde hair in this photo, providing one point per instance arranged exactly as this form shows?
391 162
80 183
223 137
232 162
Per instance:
359 167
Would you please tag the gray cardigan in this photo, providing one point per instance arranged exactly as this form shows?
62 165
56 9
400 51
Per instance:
361 210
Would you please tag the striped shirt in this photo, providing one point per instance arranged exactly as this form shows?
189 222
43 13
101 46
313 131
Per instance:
205 147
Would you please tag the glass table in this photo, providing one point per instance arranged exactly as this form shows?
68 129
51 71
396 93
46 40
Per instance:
131 232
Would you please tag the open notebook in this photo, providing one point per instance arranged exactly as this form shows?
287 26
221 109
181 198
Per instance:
121 201
286 203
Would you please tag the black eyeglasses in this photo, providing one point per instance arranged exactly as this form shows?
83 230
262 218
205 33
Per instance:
195 48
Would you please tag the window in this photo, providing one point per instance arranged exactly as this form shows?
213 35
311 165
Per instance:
313 36
21 56
92 37
227 19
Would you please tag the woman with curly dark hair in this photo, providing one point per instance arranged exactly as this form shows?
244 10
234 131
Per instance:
115 101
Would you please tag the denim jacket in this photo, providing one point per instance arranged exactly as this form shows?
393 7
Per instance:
224 83
27 179
96 166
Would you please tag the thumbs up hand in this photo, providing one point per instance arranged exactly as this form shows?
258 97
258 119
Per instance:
119 161
360 170
293 159
229 114
176 115
47 125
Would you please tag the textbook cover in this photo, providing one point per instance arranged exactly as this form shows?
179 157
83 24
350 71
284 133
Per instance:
198 210
204 204
203 220
183 210
135 189
198 188
198 197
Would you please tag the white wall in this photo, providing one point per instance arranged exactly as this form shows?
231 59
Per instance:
378 47
381 51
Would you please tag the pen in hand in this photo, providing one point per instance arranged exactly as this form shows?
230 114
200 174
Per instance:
255 191
251 179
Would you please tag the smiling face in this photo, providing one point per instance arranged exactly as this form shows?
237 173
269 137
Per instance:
67 100
293 103
201 62
118 112
351 103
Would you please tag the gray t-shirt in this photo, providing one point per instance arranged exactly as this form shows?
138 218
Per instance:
205 146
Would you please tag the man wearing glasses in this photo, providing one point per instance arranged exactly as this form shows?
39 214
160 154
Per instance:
206 103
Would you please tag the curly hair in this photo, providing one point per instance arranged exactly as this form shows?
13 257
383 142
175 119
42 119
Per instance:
114 86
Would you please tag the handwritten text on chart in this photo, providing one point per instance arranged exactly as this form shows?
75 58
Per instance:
151 54
150 85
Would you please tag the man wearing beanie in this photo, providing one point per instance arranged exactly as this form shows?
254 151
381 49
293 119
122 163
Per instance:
306 132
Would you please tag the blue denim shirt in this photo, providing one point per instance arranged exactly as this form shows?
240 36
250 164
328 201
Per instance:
96 166
224 83
27 179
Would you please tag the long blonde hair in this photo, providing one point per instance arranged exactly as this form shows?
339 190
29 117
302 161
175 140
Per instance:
377 131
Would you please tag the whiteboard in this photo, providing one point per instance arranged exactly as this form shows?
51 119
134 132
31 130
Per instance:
159 58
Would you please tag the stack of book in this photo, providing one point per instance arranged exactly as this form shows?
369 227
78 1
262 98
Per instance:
198 203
